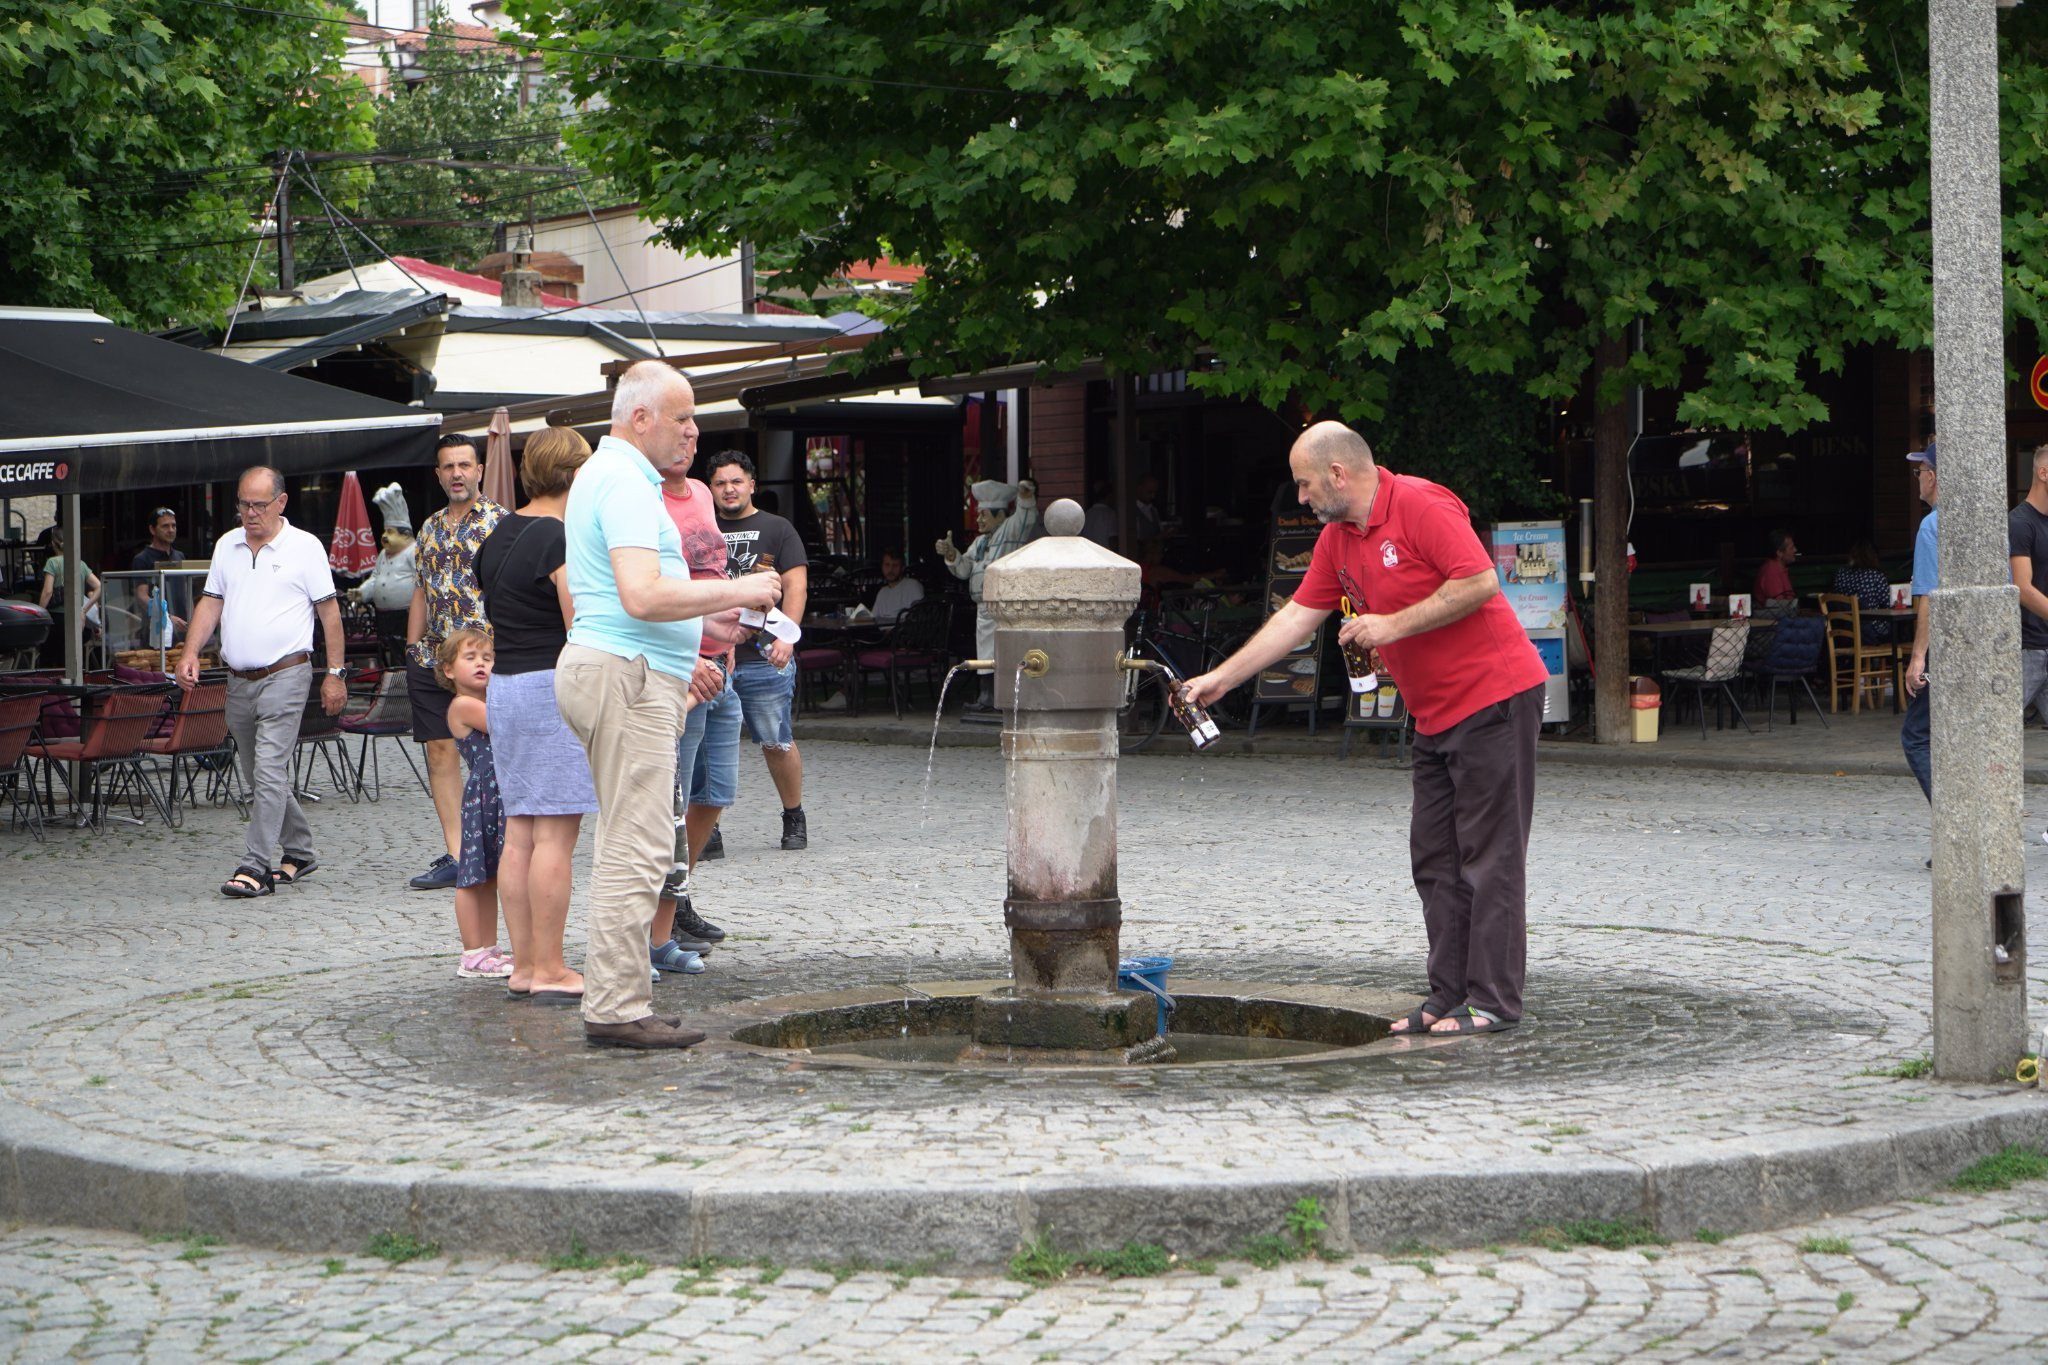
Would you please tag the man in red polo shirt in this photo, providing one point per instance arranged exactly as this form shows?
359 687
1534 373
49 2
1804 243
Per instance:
1400 552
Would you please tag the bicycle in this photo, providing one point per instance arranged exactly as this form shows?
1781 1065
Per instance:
1179 652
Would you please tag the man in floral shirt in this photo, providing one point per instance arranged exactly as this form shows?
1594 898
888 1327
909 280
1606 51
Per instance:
446 599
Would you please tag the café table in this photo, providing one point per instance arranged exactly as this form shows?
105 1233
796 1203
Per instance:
834 631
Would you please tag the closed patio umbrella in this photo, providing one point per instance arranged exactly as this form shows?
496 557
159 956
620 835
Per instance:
354 548
499 485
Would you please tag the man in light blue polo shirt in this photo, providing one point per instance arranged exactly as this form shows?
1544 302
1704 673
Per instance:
623 684
1915 735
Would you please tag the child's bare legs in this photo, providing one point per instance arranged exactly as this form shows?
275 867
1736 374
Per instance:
476 915
552 840
514 901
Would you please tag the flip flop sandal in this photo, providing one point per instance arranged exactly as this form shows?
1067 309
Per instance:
299 871
1415 1023
518 995
1470 1020
556 997
247 883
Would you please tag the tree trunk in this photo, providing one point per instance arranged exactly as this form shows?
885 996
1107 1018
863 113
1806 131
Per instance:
1610 551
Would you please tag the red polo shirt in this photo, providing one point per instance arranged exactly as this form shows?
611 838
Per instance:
1418 536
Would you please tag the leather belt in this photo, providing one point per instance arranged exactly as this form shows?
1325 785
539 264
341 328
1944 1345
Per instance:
288 661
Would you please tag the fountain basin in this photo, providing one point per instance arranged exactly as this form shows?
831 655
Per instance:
934 1026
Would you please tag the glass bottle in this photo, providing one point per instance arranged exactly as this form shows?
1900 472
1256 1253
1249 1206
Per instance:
1201 729
1359 661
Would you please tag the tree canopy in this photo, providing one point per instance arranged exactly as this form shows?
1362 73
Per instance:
1310 189
139 135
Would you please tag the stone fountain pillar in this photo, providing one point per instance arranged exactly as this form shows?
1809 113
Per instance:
1059 606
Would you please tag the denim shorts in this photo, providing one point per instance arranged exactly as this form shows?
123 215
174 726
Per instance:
766 693
708 754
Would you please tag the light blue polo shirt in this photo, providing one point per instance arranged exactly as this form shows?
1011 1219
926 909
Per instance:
1926 563
615 504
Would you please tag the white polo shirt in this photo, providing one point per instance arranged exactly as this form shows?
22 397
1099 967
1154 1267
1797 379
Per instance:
267 599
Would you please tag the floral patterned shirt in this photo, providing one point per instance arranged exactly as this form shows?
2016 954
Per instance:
446 556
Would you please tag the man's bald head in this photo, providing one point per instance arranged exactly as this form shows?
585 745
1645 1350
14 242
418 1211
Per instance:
1334 443
1333 472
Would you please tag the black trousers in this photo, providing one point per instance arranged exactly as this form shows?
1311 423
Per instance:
1468 845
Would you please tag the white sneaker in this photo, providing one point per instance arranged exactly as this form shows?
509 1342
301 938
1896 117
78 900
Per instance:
835 702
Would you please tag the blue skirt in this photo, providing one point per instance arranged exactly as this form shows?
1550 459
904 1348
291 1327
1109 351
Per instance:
542 769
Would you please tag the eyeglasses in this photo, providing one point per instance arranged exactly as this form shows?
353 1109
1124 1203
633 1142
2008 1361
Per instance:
257 506
160 513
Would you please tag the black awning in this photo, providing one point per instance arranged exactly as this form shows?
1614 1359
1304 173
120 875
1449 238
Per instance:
88 407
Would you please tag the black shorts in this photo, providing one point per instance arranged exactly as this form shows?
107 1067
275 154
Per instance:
429 704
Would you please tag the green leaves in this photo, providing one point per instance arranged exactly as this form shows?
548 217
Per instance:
137 134
1325 196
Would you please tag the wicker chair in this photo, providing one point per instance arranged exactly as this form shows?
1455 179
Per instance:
1723 666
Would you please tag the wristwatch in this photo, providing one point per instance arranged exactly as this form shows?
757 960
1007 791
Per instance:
337 673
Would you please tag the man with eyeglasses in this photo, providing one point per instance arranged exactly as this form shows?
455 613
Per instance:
268 582
1399 553
446 599
177 604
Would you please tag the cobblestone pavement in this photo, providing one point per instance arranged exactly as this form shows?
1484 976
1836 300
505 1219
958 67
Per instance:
1953 1278
1715 958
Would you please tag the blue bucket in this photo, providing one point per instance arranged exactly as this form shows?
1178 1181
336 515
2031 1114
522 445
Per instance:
1147 974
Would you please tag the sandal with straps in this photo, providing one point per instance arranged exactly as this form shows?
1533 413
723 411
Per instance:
291 870
247 883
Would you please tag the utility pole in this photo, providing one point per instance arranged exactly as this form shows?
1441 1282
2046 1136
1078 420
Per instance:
1979 914
284 221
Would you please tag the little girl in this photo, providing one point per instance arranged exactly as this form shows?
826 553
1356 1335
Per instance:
465 658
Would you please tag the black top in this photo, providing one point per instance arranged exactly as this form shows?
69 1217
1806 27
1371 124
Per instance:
520 602
178 591
2028 532
762 541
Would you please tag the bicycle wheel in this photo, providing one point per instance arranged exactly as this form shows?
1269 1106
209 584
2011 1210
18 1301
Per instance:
1143 714
1233 708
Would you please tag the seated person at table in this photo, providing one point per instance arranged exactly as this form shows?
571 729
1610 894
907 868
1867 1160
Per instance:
1774 576
1863 579
897 591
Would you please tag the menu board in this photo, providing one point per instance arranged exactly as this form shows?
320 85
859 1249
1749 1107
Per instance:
1297 675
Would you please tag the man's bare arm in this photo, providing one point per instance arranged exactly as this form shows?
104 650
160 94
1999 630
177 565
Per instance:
1285 629
1454 600
648 596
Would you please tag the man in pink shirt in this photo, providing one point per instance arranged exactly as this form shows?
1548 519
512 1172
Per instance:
1399 555
680 935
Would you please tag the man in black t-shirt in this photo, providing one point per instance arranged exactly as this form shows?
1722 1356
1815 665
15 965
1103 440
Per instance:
162 550
757 540
2027 531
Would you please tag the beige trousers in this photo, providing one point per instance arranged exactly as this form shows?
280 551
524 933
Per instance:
628 716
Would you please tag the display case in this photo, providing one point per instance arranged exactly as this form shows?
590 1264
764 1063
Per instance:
143 611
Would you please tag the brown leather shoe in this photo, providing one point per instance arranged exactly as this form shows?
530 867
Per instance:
648 1031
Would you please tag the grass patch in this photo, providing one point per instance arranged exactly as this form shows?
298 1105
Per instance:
1710 1237
1844 1301
400 1247
1040 1262
2002 1170
333 1266
1129 1260
95 1080
196 1247
1825 1246
1306 1225
577 1257
1614 1234
1912 1069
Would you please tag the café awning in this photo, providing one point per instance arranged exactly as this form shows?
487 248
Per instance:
89 407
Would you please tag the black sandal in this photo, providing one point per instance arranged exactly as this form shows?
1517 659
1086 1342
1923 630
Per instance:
247 883
299 871
1416 1024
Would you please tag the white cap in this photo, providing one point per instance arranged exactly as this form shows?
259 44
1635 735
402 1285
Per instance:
994 493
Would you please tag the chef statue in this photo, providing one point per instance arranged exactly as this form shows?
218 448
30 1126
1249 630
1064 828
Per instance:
388 589
1002 530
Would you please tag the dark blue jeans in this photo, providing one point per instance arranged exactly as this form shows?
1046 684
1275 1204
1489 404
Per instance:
1914 739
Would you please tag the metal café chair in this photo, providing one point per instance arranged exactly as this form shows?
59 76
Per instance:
1723 666
1792 655
916 643
108 750
388 716
18 717
198 730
